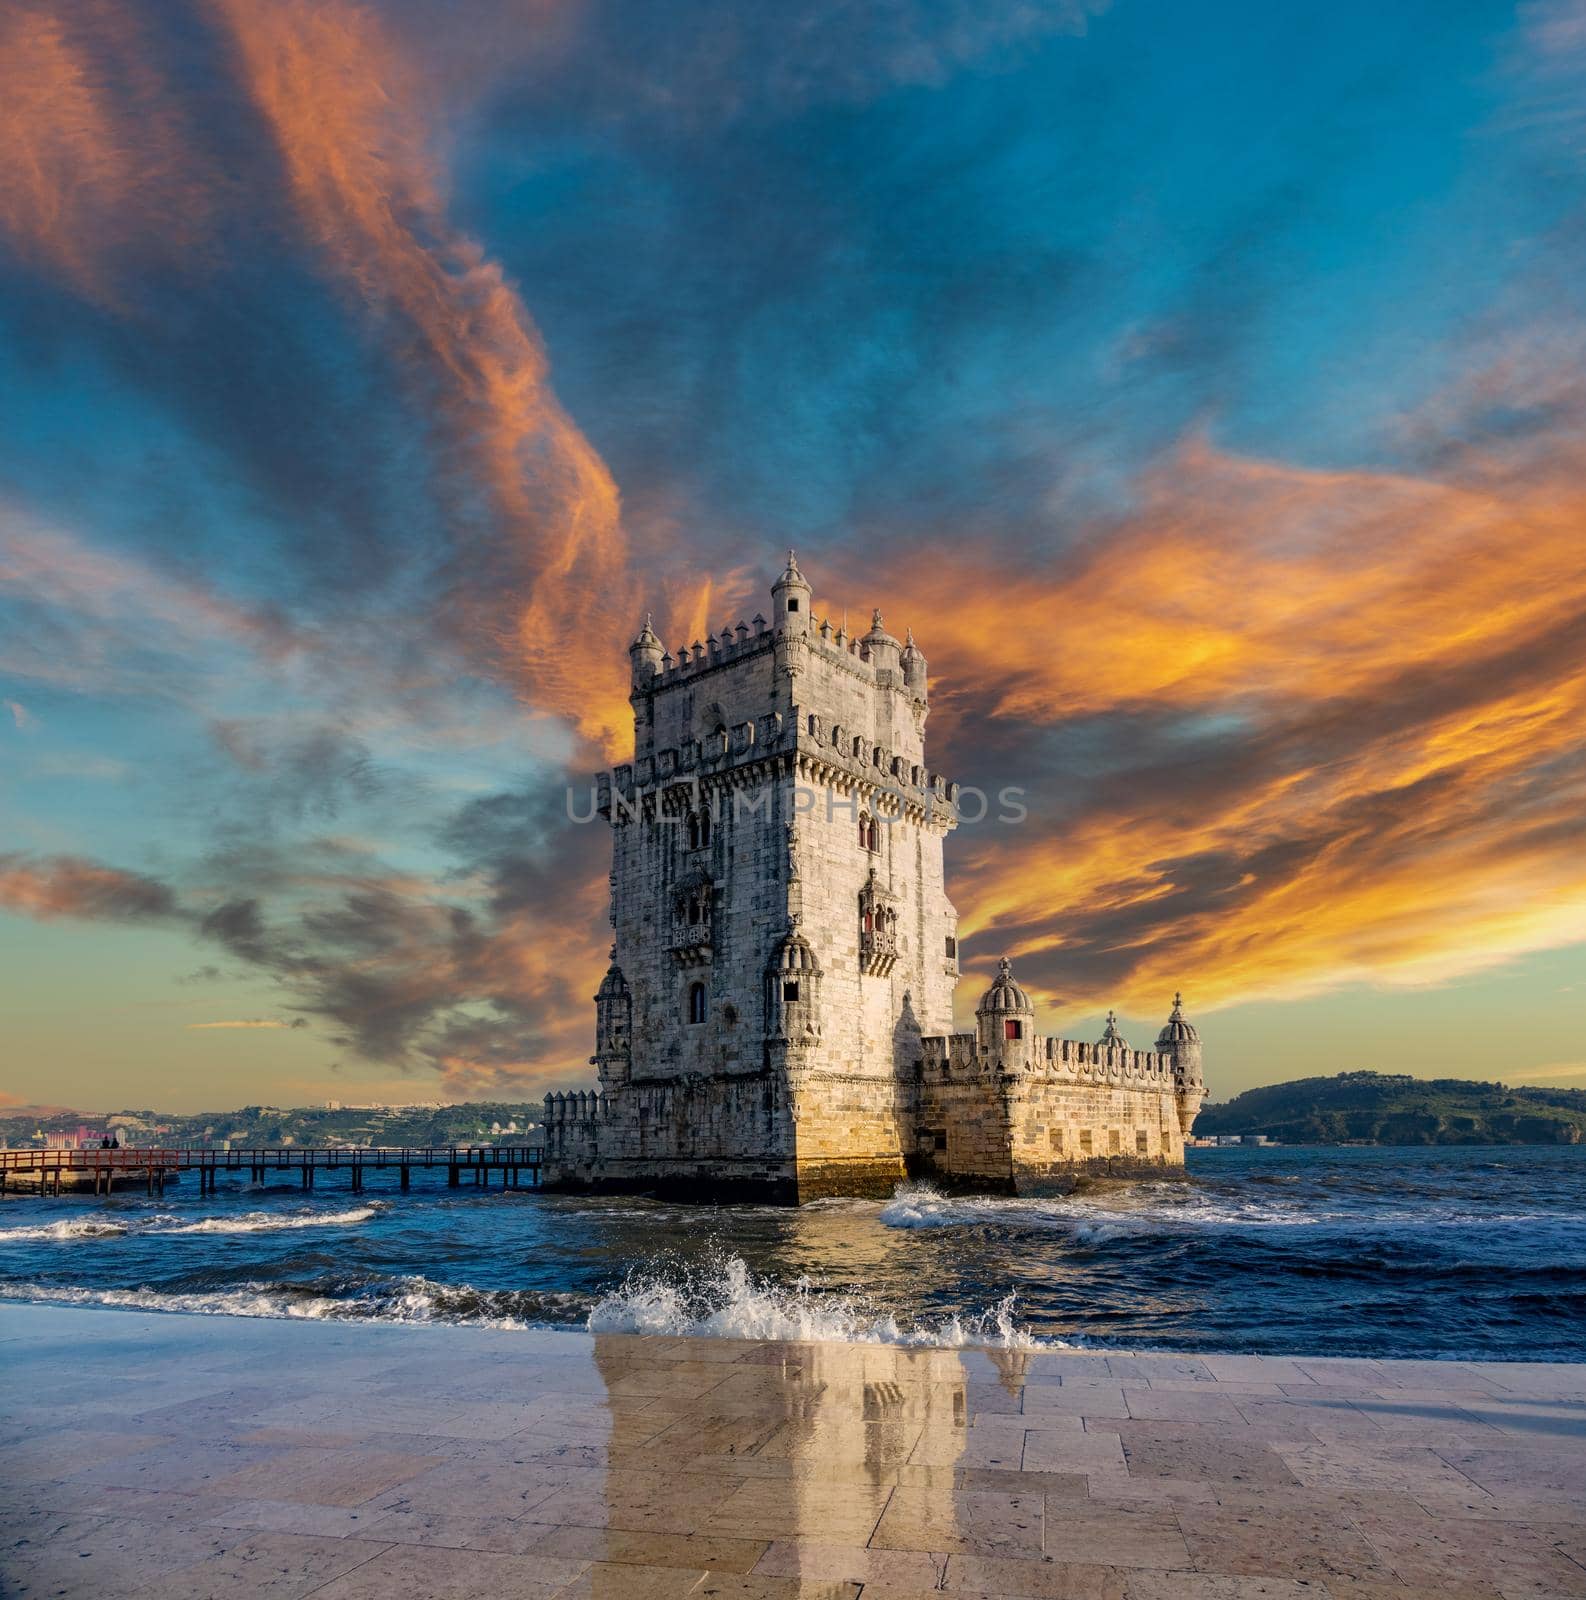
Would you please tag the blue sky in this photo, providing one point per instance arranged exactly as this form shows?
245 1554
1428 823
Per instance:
1201 384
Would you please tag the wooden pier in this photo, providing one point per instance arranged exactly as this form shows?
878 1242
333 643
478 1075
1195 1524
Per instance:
44 1170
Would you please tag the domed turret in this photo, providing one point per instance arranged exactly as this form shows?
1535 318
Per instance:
1005 1017
645 655
1004 995
790 595
1180 1040
1178 1030
1112 1039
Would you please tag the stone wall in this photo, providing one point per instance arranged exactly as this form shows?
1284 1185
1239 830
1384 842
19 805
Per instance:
1036 1116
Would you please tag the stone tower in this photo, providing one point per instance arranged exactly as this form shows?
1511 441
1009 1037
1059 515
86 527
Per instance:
782 937
777 1018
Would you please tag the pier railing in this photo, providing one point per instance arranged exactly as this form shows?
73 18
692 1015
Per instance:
511 1162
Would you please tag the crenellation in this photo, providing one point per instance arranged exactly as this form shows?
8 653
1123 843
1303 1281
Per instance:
777 1016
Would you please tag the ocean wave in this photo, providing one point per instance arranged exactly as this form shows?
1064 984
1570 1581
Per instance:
722 1298
401 1300
1152 1209
66 1229
276 1222
165 1223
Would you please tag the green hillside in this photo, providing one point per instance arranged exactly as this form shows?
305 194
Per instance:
1385 1108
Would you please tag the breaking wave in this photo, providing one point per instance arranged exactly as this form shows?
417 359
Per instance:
166 1224
402 1300
717 1298
722 1298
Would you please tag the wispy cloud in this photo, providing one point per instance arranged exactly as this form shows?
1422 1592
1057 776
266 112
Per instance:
252 1022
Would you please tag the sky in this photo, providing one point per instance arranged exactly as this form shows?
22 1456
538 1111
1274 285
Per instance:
1204 386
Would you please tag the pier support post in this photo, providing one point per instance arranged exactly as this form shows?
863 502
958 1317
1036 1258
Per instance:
404 1177
453 1176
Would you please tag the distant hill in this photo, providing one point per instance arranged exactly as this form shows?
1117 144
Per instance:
1384 1108
476 1123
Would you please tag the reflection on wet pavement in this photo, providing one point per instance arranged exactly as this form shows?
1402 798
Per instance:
186 1456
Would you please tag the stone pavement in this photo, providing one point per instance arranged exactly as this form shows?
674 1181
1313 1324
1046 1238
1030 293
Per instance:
171 1456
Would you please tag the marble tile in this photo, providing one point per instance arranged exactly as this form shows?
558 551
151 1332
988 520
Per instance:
1116 1535
640 1502
840 1513
981 1521
1230 1461
1043 1579
1084 1453
1180 1405
438 1573
478 1489
716 1552
1205 1586
918 1569
1088 1400
1280 1541
280 1566
1409 1469
323 1477
101 1556
1514 1557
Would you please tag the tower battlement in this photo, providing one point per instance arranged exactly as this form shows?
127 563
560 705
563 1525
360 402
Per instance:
777 1018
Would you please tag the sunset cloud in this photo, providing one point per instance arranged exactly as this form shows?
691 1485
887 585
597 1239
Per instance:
252 1022
352 121
1340 720
69 886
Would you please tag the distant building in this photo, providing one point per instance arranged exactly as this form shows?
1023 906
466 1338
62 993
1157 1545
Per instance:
777 1018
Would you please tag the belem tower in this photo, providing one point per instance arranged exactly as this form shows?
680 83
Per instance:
777 1019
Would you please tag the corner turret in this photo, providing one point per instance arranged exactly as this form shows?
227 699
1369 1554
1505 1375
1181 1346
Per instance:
1005 1020
613 1057
644 655
883 650
1180 1039
913 662
790 596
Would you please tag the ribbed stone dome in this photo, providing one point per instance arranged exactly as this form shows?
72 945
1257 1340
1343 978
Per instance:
1112 1039
1178 1029
794 955
1004 994
613 984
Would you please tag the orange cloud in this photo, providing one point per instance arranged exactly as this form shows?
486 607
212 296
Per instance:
68 886
1341 718
351 117
99 163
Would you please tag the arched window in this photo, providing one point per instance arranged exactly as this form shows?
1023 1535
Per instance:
872 835
698 829
696 1002
864 831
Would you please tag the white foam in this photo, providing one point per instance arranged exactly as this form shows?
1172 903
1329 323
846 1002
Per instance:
73 1229
276 1222
410 1299
723 1299
1175 1208
67 1229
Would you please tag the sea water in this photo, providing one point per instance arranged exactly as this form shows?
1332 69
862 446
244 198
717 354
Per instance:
1450 1252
